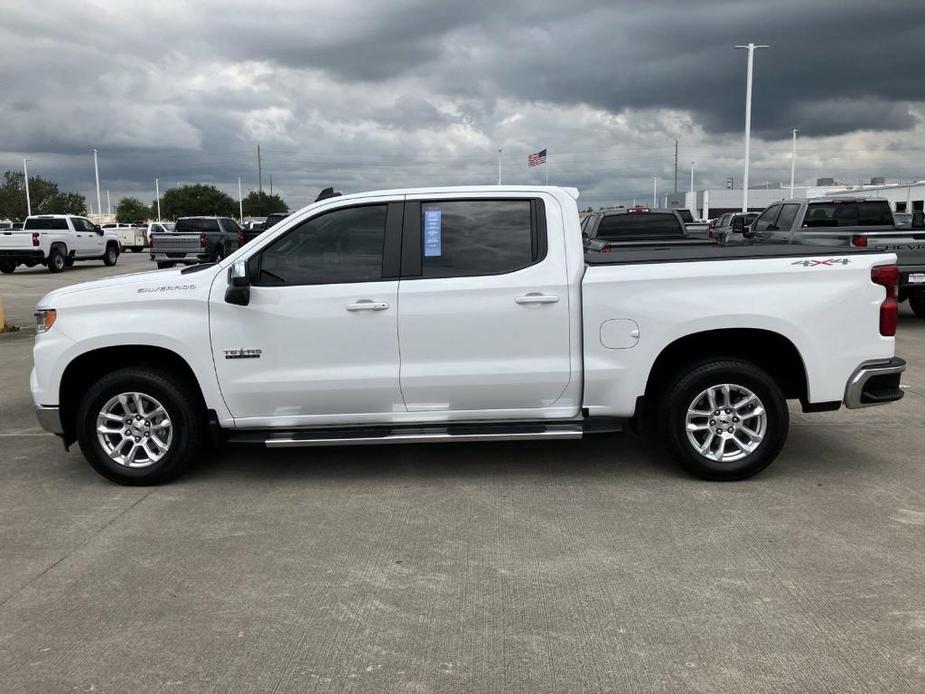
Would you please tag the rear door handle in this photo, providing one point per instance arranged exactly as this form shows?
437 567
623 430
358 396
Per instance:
537 298
368 305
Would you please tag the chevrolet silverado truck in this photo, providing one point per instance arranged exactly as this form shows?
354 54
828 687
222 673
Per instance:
56 241
611 230
462 314
196 240
846 222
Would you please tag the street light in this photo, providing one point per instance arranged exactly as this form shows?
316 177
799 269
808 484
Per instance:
25 171
748 117
793 161
655 191
99 200
692 176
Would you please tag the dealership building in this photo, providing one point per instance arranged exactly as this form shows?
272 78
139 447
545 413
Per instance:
706 204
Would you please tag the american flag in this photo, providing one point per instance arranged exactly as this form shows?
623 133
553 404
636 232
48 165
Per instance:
537 158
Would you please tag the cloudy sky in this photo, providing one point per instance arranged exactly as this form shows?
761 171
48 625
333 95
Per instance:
365 94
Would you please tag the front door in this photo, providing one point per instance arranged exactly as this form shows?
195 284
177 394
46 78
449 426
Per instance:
89 243
484 309
318 342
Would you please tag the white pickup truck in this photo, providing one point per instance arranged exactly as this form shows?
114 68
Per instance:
56 241
462 314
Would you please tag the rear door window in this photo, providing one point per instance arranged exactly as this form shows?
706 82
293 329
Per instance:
466 238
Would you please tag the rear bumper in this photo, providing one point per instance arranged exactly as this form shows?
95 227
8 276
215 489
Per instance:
180 257
49 419
22 256
875 383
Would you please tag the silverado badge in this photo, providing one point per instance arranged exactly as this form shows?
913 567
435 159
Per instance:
243 353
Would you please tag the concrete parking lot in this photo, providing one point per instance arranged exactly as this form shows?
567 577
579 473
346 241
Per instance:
574 566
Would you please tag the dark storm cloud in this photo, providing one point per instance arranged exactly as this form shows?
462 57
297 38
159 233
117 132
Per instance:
367 93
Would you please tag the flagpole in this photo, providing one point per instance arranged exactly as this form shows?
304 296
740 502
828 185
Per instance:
546 166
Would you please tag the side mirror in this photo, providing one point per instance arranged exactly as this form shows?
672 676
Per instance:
918 220
98 229
239 285
738 225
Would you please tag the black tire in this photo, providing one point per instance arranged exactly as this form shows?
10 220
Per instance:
684 396
218 254
7 267
917 304
111 256
163 265
57 261
181 405
69 261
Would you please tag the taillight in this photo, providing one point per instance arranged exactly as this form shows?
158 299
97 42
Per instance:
202 240
859 241
887 276
240 239
606 249
35 238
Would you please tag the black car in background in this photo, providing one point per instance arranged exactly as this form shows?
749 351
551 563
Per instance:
256 230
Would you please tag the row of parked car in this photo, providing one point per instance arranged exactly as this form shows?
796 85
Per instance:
825 222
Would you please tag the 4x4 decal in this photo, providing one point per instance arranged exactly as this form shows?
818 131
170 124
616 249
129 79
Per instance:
829 262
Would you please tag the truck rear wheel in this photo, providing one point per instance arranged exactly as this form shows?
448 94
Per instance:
724 419
140 426
917 304
7 267
56 259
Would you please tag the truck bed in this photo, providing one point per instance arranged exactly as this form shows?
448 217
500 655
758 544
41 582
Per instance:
698 253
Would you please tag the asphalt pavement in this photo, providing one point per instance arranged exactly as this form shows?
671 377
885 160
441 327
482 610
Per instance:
534 567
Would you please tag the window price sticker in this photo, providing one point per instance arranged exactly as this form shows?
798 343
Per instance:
433 221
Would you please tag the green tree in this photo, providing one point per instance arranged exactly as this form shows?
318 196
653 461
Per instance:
44 195
260 204
132 211
199 199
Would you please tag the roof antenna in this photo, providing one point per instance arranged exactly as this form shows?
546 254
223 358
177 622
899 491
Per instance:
325 194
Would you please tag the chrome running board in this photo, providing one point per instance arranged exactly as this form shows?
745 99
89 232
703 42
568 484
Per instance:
424 437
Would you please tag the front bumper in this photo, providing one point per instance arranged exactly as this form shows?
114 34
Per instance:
49 419
875 383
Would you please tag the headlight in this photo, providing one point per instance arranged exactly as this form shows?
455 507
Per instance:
44 319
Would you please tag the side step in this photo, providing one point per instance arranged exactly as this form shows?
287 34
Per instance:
437 433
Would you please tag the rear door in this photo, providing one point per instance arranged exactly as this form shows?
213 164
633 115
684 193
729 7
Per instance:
484 308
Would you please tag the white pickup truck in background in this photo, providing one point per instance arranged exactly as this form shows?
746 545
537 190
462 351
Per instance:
56 241
462 314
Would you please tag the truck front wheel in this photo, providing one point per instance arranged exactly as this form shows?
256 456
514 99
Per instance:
140 426
111 256
724 419
7 267
917 304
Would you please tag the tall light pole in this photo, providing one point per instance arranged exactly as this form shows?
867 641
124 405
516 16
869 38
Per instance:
240 202
655 191
748 117
108 204
99 199
692 175
25 172
157 196
499 167
793 161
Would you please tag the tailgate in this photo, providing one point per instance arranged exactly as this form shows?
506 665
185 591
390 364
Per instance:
907 244
175 243
15 239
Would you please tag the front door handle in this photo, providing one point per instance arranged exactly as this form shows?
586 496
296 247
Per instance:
537 298
368 305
